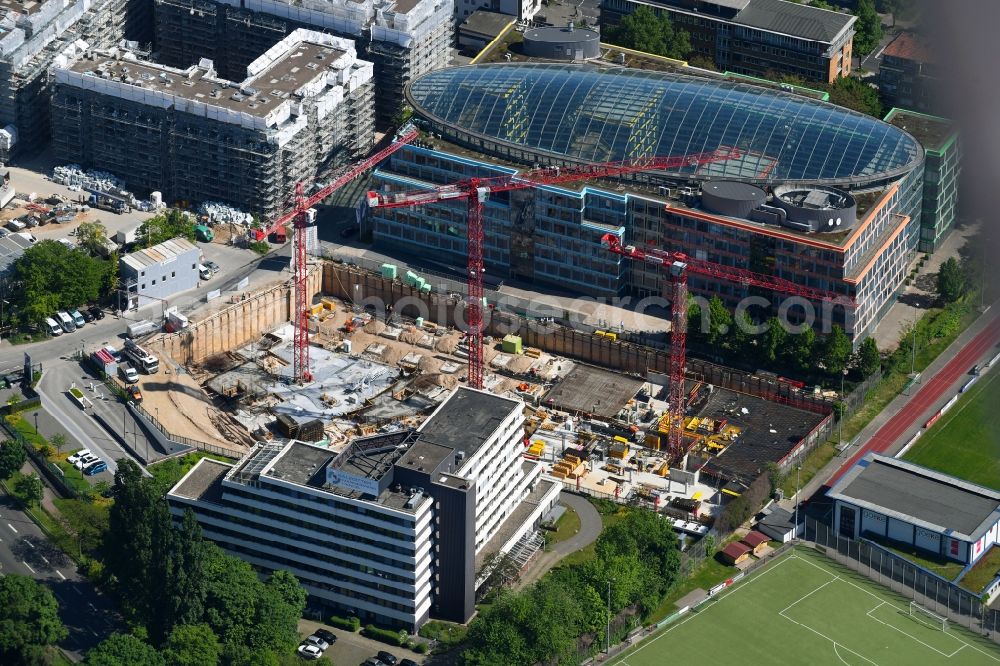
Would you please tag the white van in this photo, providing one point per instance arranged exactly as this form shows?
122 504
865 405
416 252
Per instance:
53 326
77 318
66 322
204 272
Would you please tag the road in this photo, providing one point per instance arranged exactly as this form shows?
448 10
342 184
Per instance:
88 615
590 529
933 391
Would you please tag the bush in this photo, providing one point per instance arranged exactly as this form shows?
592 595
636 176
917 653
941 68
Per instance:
420 648
345 623
390 636
260 247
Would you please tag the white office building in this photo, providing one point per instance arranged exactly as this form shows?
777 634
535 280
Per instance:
391 527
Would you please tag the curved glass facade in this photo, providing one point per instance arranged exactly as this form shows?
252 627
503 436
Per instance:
597 114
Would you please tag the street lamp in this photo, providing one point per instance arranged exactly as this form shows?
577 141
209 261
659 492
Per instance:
36 423
797 491
609 616
843 407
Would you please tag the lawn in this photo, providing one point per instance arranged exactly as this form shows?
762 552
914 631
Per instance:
965 442
708 575
814 462
169 472
590 552
941 566
805 609
983 572
567 525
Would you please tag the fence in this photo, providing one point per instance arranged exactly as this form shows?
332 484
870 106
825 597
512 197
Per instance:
899 574
49 470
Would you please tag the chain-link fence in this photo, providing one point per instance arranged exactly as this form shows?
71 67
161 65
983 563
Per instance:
905 577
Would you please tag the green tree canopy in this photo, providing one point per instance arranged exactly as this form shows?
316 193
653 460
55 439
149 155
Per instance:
163 227
54 277
123 650
86 521
720 321
12 458
869 360
853 93
836 351
773 339
29 490
91 236
279 606
192 645
951 281
801 349
868 28
644 31
29 617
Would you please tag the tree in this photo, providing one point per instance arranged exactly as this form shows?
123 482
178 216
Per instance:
164 227
231 595
29 490
720 321
869 360
822 4
12 458
644 30
29 617
123 650
836 351
950 281
774 476
192 645
179 557
741 337
502 568
276 617
92 236
85 521
853 93
702 62
774 339
54 277
868 28
801 349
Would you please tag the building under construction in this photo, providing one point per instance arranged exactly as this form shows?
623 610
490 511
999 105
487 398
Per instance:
35 37
403 38
304 108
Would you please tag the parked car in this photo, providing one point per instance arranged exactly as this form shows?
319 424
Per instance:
82 453
128 373
326 635
86 461
387 658
204 272
408 662
96 312
309 651
317 641
95 468
372 662
87 316
135 393
53 327
78 318
212 266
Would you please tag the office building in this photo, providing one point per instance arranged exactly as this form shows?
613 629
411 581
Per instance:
942 168
403 38
156 273
392 527
807 191
907 75
301 110
755 37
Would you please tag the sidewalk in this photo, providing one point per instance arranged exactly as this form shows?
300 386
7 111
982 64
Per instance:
900 401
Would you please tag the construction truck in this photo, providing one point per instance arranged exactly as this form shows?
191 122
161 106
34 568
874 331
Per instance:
109 202
141 358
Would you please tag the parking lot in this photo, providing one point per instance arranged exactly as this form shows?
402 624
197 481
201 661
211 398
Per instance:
353 649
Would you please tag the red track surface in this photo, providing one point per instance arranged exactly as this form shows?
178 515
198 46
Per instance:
908 417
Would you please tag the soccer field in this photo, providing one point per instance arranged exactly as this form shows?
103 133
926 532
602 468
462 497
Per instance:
806 609
966 441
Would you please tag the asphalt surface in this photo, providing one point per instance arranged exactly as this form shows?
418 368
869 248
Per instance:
88 615
590 529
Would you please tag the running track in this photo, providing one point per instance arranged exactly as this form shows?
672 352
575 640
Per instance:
928 395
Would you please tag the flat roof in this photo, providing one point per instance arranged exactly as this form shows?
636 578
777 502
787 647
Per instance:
593 390
788 18
932 132
485 22
153 256
466 420
425 456
203 482
257 96
919 495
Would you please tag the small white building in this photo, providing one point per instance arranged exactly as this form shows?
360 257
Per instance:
157 273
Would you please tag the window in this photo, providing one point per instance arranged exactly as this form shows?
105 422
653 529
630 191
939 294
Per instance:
154 282
143 286
173 274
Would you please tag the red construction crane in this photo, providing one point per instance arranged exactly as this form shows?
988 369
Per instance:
477 190
300 216
679 265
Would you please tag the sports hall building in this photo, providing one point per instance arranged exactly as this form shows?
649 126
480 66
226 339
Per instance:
798 188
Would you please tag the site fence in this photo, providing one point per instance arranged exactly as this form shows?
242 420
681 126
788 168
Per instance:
907 578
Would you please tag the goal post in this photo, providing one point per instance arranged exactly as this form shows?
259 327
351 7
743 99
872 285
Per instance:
926 617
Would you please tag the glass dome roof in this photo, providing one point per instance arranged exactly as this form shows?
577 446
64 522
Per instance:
598 114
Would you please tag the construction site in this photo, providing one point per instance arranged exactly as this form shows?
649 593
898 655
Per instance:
301 110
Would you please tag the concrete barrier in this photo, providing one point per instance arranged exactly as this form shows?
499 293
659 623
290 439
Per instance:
909 444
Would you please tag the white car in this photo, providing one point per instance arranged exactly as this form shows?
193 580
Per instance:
86 461
82 453
309 651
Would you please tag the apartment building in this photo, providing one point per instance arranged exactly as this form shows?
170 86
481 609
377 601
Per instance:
756 37
302 109
393 527
907 76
